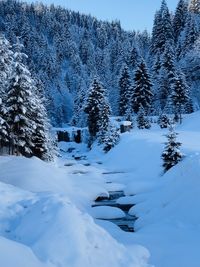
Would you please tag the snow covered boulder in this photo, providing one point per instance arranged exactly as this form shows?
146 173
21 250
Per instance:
107 213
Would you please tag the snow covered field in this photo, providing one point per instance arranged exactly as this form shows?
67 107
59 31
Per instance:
46 217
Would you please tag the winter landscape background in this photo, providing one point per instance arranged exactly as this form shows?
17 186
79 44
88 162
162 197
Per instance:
99 138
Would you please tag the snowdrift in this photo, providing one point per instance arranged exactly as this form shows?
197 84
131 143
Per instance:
167 205
41 227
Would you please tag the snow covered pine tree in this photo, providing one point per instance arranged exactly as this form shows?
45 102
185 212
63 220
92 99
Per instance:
26 115
171 154
6 56
97 108
142 120
124 90
142 94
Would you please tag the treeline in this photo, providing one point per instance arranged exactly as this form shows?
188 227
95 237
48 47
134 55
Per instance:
24 125
141 75
67 49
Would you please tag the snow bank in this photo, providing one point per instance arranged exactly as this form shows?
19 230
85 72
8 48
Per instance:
16 254
167 206
169 216
41 227
176 197
37 176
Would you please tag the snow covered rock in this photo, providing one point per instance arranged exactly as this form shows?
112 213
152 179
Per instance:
105 212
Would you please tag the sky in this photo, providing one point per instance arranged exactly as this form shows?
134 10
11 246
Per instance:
133 14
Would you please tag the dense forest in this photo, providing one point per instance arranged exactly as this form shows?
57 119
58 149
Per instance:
66 50
82 71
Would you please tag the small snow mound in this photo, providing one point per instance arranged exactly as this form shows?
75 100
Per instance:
107 213
126 200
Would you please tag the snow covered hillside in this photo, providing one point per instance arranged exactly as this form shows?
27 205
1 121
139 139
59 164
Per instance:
46 214
166 205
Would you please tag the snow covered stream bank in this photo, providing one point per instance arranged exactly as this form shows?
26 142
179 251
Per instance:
46 218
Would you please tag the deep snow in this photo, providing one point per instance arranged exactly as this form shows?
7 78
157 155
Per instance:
44 220
46 215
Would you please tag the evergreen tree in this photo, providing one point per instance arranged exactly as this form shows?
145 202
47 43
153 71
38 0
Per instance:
79 117
190 36
26 115
157 33
124 88
142 93
98 110
43 147
104 121
162 29
194 6
111 138
6 56
163 121
134 58
20 103
157 64
180 18
171 154
180 95
142 120
166 77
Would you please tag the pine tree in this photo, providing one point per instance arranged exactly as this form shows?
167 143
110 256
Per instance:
142 120
124 87
157 33
167 23
26 115
43 147
180 95
180 18
6 57
162 29
142 93
190 36
163 121
171 154
134 58
20 104
166 77
104 121
111 138
79 116
98 110
194 6
157 64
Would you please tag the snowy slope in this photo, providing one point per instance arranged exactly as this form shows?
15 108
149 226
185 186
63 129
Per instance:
167 205
41 227
44 208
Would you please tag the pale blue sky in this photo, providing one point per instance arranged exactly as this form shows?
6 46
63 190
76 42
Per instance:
133 14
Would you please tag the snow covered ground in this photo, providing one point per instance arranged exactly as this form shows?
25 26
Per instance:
44 220
46 217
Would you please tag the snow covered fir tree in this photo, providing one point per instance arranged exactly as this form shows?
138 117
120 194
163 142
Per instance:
98 110
24 122
171 154
142 94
